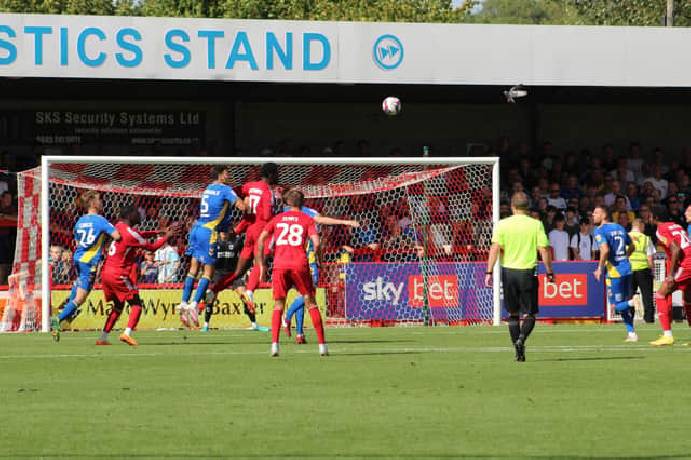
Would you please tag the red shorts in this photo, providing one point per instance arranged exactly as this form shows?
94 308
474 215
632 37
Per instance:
118 287
283 279
251 239
682 278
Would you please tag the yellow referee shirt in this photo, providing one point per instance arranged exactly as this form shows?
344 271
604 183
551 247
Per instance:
519 236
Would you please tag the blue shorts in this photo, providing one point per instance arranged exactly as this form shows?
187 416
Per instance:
86 275
618 289
201 244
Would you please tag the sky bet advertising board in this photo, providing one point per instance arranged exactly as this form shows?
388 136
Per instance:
456 292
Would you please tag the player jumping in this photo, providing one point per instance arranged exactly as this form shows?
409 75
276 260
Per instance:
297 308
213 209
677 246
260 211
90 234
290 231
119 274
613 241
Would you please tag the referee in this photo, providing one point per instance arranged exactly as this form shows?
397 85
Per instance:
519 238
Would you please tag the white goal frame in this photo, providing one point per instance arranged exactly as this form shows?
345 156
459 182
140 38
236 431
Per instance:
48 160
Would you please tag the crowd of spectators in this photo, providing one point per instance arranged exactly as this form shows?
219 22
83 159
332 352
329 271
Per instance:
564 189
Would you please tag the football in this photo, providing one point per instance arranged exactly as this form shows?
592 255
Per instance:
391 106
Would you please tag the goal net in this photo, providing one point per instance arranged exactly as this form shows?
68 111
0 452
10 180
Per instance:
418 256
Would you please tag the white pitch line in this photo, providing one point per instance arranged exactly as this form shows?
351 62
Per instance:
364 351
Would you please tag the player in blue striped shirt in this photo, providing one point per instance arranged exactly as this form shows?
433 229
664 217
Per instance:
90 233
615 248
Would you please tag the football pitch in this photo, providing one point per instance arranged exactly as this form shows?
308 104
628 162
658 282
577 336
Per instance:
383 393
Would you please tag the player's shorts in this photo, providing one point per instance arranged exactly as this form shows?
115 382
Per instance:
118 287
283 279
619 289
520 291
86 275
238 282
201 244
251 239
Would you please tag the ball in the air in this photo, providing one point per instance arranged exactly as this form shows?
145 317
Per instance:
391 106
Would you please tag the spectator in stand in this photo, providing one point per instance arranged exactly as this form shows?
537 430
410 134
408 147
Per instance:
657 181
559 239
572 189
622 173
148 269
642 266
555 199
609 157
8 234
571 225
614 193
68 263
635 161
59 271
168 262
584 205
621 208
583 243
623 220
633 196
674 211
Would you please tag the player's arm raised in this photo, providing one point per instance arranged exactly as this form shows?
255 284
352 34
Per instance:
324 220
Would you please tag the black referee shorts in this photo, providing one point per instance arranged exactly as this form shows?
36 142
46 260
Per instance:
520 290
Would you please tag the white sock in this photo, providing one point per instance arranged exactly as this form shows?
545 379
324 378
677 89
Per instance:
250 295
254 325
630 302
667 333
206 324
104 335
128 331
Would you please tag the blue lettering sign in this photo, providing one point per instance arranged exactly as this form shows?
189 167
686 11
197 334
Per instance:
185 55
235 55
38 32
64 46
211 36
274 48
307 63
135 60
9 47
81 47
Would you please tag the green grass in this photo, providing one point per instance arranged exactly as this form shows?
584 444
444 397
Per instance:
384 393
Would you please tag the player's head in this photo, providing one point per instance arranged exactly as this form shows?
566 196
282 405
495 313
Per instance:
220 173
91 201
130 214
294 198
520 203
270 173
687 212
600 215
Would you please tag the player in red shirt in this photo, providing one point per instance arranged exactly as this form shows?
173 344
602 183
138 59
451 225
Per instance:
675 240
260 211
290 231
119 274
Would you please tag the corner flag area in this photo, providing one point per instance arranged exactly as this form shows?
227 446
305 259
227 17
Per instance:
383 393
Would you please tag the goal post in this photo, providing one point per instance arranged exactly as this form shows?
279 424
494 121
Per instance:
434 213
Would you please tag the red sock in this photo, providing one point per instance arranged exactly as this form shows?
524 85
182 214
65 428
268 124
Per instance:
135 313
223 283
317 323
664 311
276 325
253 280
111 320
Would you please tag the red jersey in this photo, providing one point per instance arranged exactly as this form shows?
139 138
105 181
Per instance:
121 258
291 231
261 203
668 232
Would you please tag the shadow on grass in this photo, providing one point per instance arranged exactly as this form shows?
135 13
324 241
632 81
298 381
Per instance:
592 358
347 456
